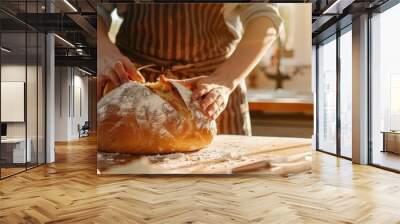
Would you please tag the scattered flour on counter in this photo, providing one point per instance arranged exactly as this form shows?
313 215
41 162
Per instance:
194 157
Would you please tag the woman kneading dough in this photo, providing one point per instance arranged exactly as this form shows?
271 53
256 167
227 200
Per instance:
210 47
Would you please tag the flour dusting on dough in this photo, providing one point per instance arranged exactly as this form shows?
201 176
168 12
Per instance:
134 99
199 118
151 113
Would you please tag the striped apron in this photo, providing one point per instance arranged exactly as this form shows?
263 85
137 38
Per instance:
188 39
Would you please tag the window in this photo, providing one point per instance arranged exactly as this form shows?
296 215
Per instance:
327 97
346 94
385 89
22 79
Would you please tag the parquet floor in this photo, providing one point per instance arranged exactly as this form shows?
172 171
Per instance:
69 191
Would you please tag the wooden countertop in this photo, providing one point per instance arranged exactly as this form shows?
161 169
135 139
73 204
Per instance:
280 101
226 155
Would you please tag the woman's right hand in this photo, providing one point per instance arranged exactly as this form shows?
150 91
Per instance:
114 67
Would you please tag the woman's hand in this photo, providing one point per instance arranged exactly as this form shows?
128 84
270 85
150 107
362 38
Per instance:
114 67
212 92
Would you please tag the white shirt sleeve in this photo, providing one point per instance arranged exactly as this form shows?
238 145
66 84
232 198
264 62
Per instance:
104 10
237 16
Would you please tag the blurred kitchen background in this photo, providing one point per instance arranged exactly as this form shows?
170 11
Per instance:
279 88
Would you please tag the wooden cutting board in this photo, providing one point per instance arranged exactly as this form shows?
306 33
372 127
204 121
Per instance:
226 155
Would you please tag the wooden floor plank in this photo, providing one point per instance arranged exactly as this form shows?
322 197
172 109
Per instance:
70 191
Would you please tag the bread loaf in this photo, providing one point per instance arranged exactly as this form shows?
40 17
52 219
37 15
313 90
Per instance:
151 118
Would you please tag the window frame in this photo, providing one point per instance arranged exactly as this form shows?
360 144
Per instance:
31 30
334 37
379 10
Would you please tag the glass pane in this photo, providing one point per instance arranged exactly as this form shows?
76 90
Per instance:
31 98
41 99
346 94
327 97
13 86
23 89
31 87
386 89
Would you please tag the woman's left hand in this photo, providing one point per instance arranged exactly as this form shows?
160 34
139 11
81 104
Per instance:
212 92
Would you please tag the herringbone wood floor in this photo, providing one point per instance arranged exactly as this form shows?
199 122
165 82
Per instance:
69 191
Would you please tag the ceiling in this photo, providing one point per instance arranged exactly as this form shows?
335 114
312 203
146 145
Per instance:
76 25
331 15
75 21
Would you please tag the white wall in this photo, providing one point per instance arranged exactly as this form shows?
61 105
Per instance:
80 100
61 103
298 37
16 73
298 27
69 85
